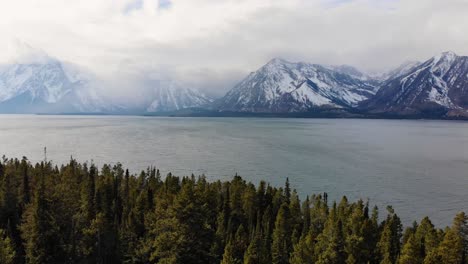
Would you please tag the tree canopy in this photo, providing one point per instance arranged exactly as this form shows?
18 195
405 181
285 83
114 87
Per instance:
77 213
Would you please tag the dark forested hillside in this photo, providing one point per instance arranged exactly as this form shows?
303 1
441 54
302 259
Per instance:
76 213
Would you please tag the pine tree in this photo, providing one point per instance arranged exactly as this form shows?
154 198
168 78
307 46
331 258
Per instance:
164 237
355 246
296 217
8 203
319 214
287 191
253 255
7 249
461 226
89 200
25 199
385 246
256 246
432 257
267 227
306 216
281 246
410 252
371 234
184 237
389 243
240 243
426 238
330 243
451 248
40 230
304 250
228 256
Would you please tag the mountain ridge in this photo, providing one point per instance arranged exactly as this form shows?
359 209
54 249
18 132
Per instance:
438 84
281 86
437 87
46 85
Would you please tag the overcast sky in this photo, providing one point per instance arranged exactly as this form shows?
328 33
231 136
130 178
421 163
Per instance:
211 44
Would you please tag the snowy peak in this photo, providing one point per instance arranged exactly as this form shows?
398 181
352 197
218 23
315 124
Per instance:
441 63
403 69
46 82
439 84
170 96
351 71
446 56
282 86
35 82
276 61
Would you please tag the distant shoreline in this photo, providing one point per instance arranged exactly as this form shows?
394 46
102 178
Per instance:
227 114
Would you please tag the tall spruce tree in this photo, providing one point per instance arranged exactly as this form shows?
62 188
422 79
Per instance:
450 250
410 253
7 249
304 250
281 246
40 230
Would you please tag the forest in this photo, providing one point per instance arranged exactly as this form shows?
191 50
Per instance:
78 213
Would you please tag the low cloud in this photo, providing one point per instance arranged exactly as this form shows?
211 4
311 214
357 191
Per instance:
211 44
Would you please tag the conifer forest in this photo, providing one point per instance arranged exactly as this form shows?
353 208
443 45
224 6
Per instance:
79 213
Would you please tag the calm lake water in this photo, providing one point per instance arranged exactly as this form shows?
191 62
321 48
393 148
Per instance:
419 167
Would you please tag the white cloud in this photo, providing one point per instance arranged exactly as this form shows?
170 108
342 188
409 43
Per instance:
211 43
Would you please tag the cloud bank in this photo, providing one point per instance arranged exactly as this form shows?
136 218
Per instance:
211 44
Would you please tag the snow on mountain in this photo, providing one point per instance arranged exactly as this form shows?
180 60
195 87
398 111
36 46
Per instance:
351 71
44 84
34 82
439 84
398 71
169 96
282 86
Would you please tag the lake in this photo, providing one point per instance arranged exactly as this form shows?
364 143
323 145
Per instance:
420 167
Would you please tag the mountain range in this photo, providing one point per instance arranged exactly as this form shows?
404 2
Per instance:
437 87
34 82
282 86
51 86
46 86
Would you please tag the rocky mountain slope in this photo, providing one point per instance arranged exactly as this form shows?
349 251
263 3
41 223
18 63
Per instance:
169 96
437 86
41 84
47 86
282 86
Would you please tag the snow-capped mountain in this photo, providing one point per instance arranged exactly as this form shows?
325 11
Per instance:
440 84
351 71
51 86
169 96
46 85
438 87
282 86
398 71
